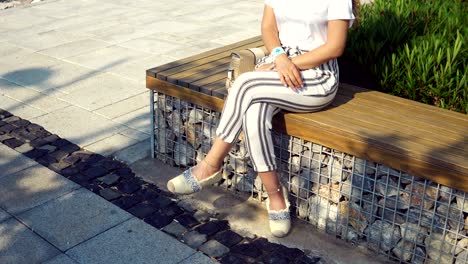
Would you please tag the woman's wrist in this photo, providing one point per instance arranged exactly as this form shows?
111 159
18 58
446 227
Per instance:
277 51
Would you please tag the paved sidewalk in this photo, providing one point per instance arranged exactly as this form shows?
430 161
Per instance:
78 67
46 218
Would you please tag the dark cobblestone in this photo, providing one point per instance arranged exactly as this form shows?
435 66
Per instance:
41 133
70 148
161 201
175 229
35 153
158 220
60 142
39 142
34 127
232 259
13 143
194 239
59 166
95 172
20 123
51 138
70 171
72 159
246 249
126 202
173 211
48 147
214 249
265 245
46 160
109 179
308 260
11 119
5 136
228 238
291 253
125 172
111 164
24 148
94 187
274 258
147 194
2 123
128 187
142 210
209 228
187 220
23 134
4 114
109 194
78 178
59 154
7 128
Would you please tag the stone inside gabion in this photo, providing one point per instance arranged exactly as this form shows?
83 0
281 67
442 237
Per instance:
405 217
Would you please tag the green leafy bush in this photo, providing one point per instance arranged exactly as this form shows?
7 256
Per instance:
414 49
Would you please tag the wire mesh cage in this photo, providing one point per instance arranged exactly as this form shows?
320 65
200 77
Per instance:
407 218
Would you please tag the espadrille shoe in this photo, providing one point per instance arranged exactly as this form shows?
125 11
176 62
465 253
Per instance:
280 220
187 183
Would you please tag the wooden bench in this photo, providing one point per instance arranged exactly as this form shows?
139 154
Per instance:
419 139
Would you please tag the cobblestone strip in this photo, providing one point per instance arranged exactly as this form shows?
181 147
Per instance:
116 182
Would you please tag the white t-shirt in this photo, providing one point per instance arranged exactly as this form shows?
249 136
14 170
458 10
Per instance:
303 23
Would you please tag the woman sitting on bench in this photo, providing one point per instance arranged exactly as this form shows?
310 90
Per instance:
300 75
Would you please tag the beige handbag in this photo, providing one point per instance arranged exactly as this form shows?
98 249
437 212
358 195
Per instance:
243 61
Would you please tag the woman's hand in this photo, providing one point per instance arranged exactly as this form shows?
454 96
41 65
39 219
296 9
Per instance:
288 72
266 67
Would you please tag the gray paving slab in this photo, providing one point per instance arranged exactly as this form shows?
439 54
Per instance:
111 144
135 134
61 259
133 241
198 258
4 215
13 67
12 161
78 125
136 70
43 101
31 187
73 218
95 97
125 106
19 108
74 48
105 59
19 245
135 152
44 40
139 119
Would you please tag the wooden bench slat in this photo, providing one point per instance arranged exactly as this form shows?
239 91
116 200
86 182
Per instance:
153 71
204 69
418 145
412 127
189 65
403 105
204 84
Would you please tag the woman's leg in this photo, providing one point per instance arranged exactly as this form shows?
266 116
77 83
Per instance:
255 87
257 128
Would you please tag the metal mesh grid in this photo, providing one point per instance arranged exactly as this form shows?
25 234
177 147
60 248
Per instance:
406 218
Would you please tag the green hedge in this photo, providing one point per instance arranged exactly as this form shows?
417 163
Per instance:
414 49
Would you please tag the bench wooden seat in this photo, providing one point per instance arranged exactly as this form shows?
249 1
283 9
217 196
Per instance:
419 139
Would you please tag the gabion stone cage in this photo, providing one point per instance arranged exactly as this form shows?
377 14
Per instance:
407 218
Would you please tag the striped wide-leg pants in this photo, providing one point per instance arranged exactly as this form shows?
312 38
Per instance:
256 97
